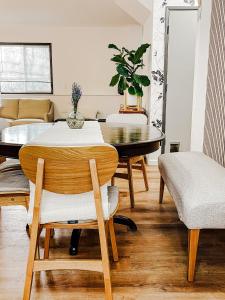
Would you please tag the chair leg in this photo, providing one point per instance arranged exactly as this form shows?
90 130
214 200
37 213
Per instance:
47 242
2 159
161 192
131 187
30 263
193 238
113 181
113 240
105 263
144 171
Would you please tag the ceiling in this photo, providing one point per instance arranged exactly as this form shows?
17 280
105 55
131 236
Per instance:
63 13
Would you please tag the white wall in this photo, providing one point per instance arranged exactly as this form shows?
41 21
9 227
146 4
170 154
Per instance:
147 38
80 54
200 83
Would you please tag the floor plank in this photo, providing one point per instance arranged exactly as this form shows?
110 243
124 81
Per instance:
152 261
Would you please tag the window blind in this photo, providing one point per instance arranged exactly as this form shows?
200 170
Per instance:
25 68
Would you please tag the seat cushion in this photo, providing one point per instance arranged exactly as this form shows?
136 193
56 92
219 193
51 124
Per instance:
5 123
13 181
81 207
9 108
33 109
25 121
197 186
10 164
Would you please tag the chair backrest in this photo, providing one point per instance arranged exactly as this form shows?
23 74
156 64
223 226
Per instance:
67 169
127 119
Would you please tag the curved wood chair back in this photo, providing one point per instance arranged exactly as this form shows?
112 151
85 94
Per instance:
67 169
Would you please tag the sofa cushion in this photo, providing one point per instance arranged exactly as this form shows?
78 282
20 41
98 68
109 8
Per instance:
25 121
196 184
5 123
33 109
9 108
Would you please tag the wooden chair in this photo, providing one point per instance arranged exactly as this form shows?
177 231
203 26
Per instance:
131 162
14 186
70 171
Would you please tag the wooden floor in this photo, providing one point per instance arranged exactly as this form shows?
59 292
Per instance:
152 261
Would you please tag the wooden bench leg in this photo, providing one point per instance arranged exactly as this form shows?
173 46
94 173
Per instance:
193 238
161 192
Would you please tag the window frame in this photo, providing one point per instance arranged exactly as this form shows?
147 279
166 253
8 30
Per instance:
51 68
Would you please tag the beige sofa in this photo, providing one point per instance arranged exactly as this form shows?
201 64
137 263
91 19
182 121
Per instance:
24 111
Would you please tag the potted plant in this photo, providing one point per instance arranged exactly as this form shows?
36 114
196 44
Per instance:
128 79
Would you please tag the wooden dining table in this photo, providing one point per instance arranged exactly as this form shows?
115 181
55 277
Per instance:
129 140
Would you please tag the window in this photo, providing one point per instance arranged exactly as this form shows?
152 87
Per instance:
25 68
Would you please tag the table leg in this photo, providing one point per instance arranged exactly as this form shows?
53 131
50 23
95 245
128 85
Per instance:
74 240
118 219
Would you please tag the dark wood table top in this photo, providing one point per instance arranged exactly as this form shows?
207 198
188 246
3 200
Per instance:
128 139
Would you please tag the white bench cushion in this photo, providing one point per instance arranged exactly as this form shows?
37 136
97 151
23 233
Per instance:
81 207
197 185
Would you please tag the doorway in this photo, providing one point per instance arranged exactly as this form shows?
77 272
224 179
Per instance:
179 66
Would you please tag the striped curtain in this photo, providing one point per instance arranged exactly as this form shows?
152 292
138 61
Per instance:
214 132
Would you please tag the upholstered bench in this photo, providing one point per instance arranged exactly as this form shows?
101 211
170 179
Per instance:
197 186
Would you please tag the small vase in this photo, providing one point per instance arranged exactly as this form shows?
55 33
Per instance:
75 120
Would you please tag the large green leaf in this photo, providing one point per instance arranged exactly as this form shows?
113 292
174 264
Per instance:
122 85
131 56
118 59
114 80
113 46
131 90
138 90
122 70
142 79
139 53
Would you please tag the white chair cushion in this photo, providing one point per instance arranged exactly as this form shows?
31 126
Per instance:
81 207
13 182
197 186
10 164
127 119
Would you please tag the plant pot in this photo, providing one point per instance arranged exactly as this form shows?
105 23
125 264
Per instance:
75 120
130 100
133 100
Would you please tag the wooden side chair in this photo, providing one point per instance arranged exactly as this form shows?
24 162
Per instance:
14 186
70 183
131 162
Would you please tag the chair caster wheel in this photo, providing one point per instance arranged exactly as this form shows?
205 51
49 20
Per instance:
73 251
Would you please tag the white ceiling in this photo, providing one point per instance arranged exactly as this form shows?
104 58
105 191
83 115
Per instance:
63 13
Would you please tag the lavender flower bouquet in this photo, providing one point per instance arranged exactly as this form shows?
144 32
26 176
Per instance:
75 119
